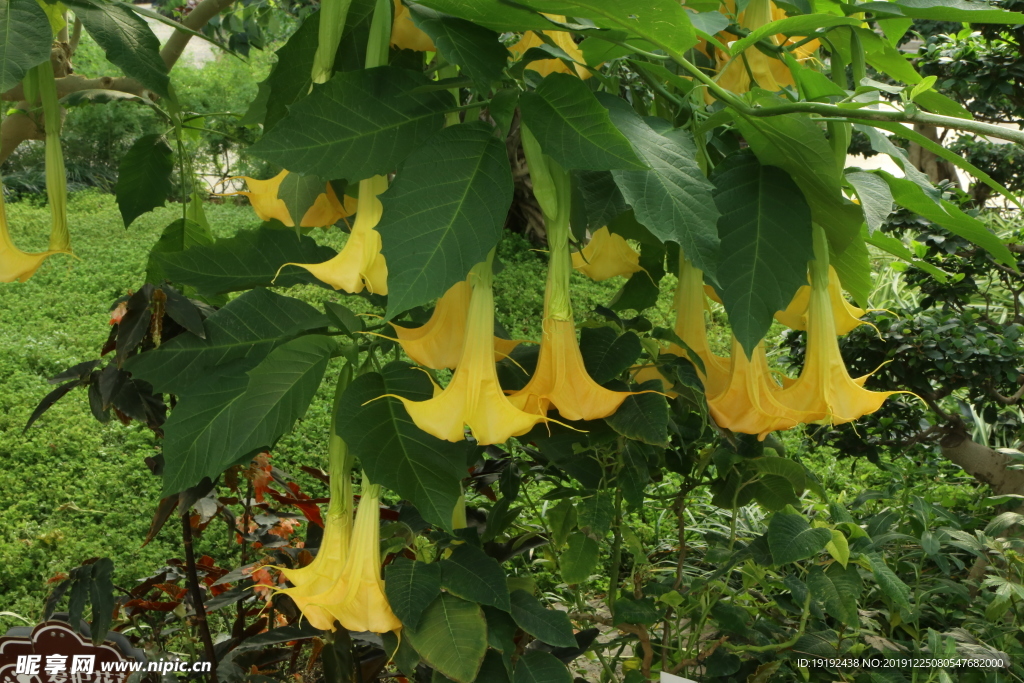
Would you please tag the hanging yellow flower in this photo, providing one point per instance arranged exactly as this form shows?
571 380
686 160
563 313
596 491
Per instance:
846 315
825 391
404 33
360 264
263 196
692 330
606 255
438 343
473 397
563 40
15 264
324 572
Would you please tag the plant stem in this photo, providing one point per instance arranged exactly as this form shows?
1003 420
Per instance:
613 577
197 595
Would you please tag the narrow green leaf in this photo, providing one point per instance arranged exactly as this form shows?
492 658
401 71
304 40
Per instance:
874 196
25 40
393 450
573 128
215 425
444 213
765 229
472 574
672 198
965 11
452 637
411 586
579 559
546 625
493 14
800 25
358 124
144 177
101 595
477 50
537 666
791 538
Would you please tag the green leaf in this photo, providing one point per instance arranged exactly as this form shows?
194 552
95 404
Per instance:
773 492
25 40
600 197
537 666
838 589
596 513
546 625
144 177
358 124
245 331
101 595
573 128
874 196
471 574
642 611
393 450
127 41
492 14
179 235
800 25
958 11
606 354
891 585
635 473
493 669
410 587
443 213
561 520
909 195
579 559
797 145
791 538
896 247
643 416
790 470
215 425
765 229
452 637
672 198
250 258
477 50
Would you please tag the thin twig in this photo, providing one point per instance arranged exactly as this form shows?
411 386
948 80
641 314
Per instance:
197 595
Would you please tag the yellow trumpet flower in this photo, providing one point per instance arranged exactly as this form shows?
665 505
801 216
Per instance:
404 33
473 397
360 264
825 391
438 343
546 66
846 315
691 329
324 572
263 196
15 264
605 256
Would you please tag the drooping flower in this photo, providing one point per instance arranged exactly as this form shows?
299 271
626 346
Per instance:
405 34
546 66
438 343
606 255
692 330
264 196
15 264
846 315
360 264
560 380
824 391
473 397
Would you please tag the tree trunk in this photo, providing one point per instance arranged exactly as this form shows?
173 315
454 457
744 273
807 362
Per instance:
983 463
936 168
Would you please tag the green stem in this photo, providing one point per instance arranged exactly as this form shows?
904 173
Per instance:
775 647
613 576
56 175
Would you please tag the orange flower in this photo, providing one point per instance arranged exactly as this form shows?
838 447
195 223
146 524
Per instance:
546 66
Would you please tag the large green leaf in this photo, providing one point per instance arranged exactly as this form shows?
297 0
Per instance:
874 196
662 22
891 585
600 198
579 559
144 177
573 128
909 195
765 229
244 331
800 25
537 666
471 574
477 50
643 416
393 450
452 637
215 425
673 198
444 213
546 625
791 538
411 586
839 589
796 144
358 124
179 235
965 11
251 258
493 14
127 41
606 354
25 40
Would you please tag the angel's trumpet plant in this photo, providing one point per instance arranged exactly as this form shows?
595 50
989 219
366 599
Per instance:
563 40
474 397
438 343
333 14
406 35
846 315
56 175
605 256
264 197
692 330
824 391
15 264
360 264
560 380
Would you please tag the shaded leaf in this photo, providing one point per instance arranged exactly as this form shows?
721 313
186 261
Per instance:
791 538
144 177
469 573
26 40
546 625
411 586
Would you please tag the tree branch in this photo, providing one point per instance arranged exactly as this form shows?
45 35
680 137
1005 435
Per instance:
196 19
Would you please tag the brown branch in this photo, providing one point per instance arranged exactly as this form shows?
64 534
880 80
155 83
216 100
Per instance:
76 35
699 659
196 19
1007 400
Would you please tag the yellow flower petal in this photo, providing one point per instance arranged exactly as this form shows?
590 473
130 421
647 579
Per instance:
691 329
846 315
404 33
262 195
547 66
324 572
15 264
605 256
326 210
